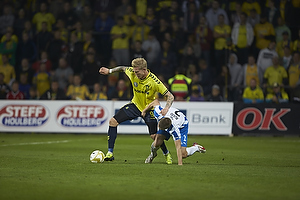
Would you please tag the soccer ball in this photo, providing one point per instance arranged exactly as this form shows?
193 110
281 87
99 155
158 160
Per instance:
97 156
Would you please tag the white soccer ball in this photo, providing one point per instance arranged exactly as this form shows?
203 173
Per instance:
97 156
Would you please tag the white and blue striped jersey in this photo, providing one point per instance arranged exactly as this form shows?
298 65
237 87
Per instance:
179 121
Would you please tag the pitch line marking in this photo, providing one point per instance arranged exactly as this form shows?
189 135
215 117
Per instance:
35 143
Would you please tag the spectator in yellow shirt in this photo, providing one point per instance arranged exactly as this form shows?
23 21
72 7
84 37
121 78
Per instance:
139 32
248 5
242 37
253 93
275 74
99 93
296 45
294 75
277 95
7 70
42 79
43 16
76 91
120 42
264 33
221 33
286 42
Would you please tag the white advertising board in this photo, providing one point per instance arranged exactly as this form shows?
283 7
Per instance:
93 117
55 116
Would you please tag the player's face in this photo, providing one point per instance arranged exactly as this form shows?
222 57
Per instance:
140 73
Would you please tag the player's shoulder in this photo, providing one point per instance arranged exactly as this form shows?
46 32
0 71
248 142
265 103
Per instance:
153 78
128 71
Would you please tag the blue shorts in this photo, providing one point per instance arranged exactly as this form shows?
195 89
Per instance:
183 134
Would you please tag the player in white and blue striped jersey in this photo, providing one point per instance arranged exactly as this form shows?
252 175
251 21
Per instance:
174 124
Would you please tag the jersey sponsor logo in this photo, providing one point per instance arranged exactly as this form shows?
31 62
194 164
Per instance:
82 116
22 115
260 120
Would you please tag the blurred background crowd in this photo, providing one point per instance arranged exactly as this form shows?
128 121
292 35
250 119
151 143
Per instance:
202 50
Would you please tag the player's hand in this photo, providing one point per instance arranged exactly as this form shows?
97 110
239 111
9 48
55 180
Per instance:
104 71
143 113
164 111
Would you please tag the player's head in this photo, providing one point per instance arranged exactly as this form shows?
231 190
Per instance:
140 67
164 123
140 63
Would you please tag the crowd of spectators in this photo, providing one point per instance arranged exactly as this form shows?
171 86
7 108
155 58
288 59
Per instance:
202 50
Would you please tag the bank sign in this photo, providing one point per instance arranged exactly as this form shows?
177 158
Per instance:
210 118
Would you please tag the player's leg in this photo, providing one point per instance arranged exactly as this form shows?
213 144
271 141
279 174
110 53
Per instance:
111 135
159 139
195 148
151 122
188 151
127 112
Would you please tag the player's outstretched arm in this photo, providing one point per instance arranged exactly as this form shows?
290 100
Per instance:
106 71
149 106
178 149
170 98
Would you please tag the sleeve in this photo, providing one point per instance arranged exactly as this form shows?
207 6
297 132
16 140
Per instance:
266 74
269 98
250 34
234 34
52 19
69 91
261 95
257 8
245 93
162 88
86 92
284 74
285 97
113 30
129 72
295 45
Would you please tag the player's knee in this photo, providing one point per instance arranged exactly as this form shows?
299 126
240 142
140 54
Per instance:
113 122
153 136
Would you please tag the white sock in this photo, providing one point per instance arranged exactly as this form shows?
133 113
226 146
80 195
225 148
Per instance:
191 150
153 148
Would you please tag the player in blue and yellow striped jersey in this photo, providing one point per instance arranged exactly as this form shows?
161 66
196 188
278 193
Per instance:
145 86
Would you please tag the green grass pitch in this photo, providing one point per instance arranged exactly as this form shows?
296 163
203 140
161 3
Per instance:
57 166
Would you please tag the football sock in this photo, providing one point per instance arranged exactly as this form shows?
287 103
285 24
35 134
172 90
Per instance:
164 148
153 148
112 135
191 150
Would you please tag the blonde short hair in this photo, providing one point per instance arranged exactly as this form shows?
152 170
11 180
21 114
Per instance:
141 63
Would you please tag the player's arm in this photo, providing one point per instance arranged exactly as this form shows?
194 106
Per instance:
178 149
106 71
169 98
149 106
